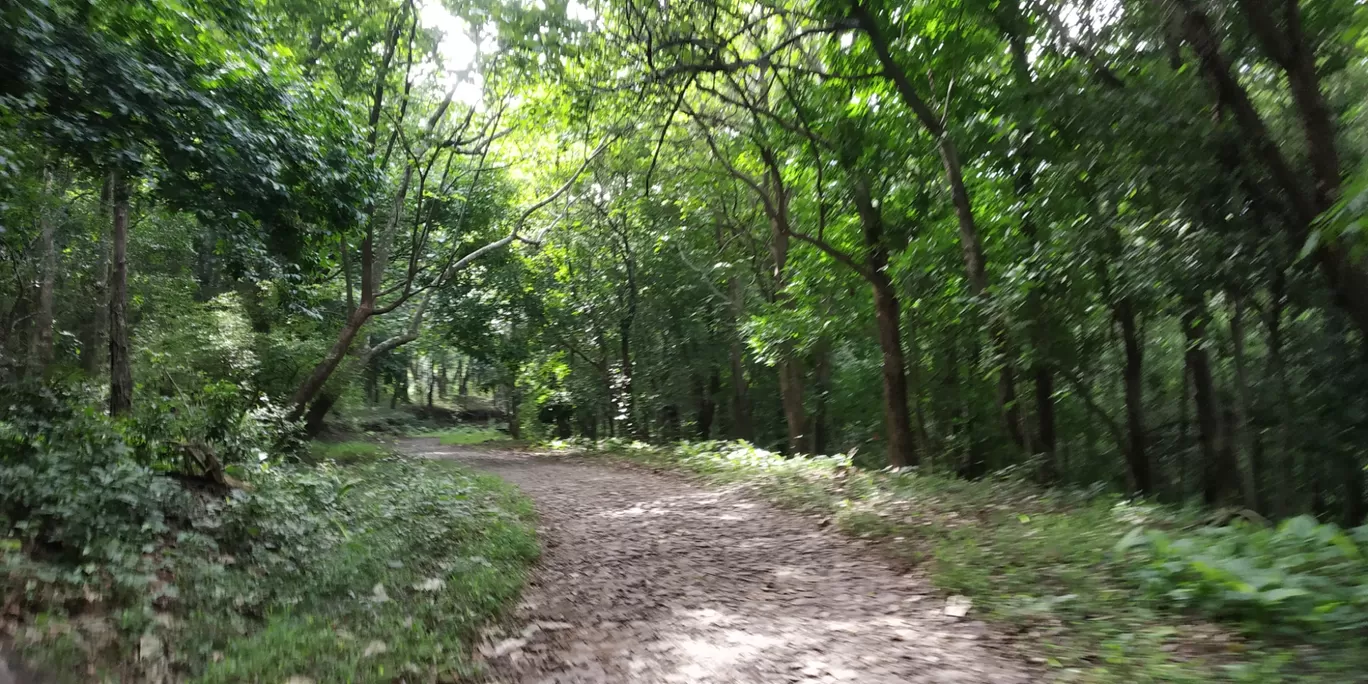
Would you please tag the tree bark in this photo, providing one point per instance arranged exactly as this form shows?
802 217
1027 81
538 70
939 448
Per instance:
1284 491
740 389
338 351
40 343
888 321
1346 276
1136 456
1251 465
1015 28
707 402
318 411
96 347
120 365
821 414
514 405
795 415
1212 437
970 243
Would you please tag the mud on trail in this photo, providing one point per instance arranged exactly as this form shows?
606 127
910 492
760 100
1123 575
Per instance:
647 578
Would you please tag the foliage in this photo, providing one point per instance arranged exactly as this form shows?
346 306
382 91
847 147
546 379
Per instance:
415 555
1300 574
469 436
107 547
347 453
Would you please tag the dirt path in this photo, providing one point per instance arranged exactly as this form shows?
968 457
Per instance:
646 578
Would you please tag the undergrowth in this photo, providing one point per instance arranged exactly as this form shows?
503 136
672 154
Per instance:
337 562
1098 588
468 435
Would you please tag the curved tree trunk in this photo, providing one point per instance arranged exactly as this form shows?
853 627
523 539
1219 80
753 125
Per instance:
970 243
888 321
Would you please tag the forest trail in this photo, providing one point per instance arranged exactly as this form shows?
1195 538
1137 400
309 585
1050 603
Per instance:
646 578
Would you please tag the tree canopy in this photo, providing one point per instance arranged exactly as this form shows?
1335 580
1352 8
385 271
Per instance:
1099 242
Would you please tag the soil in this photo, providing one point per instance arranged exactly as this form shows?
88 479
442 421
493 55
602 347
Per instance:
651 578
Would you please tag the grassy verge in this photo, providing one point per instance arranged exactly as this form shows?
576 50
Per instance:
379 570
1067 572
469 435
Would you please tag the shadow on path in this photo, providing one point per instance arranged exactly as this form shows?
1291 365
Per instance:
646 578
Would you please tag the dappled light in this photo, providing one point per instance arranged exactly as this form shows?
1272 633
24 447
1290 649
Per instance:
646 341
659 580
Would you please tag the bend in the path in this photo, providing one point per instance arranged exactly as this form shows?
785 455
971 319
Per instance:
646 579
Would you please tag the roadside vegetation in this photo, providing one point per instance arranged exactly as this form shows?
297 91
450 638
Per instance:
1109 249
338 562
1095 586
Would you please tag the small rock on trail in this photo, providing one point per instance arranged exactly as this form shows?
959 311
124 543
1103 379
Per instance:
646 578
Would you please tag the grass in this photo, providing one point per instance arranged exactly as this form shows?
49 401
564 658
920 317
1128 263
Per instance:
380 570
1041 564
468 435
348 453
430 552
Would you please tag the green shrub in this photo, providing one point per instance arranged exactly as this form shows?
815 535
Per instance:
69 489
1300 573
347 453
460 436
105 549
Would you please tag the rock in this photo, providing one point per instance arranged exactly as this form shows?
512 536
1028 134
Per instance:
374 648
432 584
503 648
378 594
958 606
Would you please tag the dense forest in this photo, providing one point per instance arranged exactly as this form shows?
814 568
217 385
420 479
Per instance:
1104 242
1099 244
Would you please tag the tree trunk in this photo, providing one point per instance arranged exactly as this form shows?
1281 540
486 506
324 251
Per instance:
96 346
1184 425
707 402
795 415
400 389
1251 465
120 366
40 343
740 389
324 370
1284 491
371 377
1016 28
636 425
318 411
1346 276
514 405
970 243
1136 456
1216 467
821 427
888 321
901 450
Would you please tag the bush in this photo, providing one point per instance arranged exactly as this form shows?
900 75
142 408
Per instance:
70 489
104 551
1300 573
